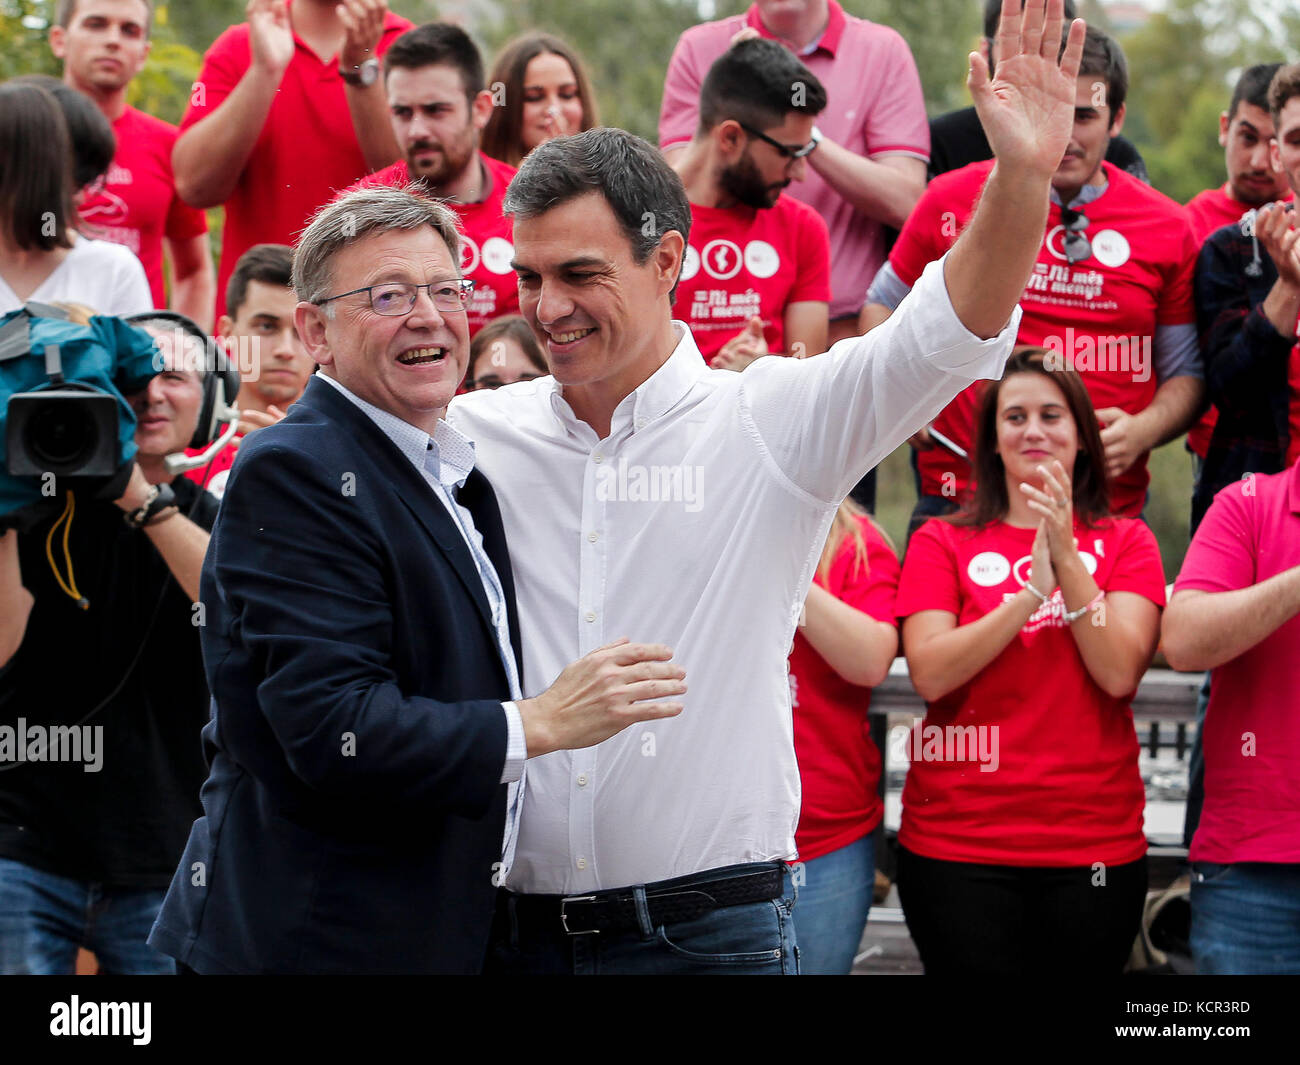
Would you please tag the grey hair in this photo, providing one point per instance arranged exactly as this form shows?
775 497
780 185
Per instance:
643 191
374 209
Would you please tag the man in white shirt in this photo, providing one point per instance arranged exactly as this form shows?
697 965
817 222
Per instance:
646 495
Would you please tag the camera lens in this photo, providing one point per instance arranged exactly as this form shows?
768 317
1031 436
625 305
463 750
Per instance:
61 434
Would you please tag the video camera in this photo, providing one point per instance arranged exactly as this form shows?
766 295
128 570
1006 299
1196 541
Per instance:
64 419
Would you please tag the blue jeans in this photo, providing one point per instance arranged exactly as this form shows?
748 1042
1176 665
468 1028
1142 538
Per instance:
1246 918
834 899
755 938
44 918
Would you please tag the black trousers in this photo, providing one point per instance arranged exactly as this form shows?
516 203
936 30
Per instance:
969 919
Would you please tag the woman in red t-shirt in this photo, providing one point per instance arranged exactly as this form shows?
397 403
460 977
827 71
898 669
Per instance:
844 645
1030 618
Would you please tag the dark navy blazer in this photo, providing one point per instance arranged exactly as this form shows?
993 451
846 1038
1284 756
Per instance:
353 811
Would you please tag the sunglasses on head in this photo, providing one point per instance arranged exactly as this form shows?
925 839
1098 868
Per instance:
1077 245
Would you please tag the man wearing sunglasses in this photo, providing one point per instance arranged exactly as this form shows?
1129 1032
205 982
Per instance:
757 272
362 642
1110 295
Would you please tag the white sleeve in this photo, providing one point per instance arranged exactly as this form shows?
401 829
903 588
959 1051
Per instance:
130 292
827 420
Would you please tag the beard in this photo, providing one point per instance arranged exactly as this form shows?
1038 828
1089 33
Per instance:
448 162
743 181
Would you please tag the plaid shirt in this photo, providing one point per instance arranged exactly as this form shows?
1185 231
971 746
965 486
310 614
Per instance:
1246 362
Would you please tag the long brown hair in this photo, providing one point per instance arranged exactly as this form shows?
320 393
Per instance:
502 137
36 162
1088 478
847 526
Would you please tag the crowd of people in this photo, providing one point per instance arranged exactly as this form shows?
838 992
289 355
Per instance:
529 621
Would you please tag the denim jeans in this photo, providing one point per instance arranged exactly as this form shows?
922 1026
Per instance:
1246 918
44 918
834 899
753 938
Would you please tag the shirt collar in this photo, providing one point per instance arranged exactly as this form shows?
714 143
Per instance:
1086 194
829 41
448 455
655 396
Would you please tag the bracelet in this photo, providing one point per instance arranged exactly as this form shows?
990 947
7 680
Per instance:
163 515
160 497
1072 616
1034 591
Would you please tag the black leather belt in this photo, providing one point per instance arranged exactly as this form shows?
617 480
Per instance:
668 901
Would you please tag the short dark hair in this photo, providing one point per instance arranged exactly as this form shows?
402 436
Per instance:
642 190
1285 84
271 264
438 44
1103 57
993 14
93 141
35 169
990 502
1252 87
757 83
67 11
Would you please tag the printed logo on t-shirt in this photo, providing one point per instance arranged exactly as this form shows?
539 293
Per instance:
690 264
721 259
1110 248
761 259
469 255
988 569
497 253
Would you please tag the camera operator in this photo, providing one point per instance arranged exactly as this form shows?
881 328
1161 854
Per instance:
98 632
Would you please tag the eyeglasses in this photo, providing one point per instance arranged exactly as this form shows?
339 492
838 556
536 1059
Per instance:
398 297
787 151
1077 245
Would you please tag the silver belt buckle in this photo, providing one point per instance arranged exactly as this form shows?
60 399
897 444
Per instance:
564 917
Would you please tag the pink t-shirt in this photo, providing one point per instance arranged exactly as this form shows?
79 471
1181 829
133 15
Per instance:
742 261
137 205
874 108
1029 762
1252 726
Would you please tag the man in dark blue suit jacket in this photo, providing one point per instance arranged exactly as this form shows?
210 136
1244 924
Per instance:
361 642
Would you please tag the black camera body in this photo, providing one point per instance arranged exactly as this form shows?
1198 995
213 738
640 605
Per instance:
69 431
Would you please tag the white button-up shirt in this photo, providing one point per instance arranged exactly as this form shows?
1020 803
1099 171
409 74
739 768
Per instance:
696 523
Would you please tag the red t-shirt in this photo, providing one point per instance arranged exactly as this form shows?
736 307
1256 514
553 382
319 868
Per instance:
213 476
1048 776
1251 735
839 765
1098 315
486 247
742 261
137 205
307 150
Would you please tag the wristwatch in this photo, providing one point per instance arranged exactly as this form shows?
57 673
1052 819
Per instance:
816 138
160 497
363 76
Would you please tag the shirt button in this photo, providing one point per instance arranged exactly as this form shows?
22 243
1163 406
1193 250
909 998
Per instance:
582 780
591 616
598 457
581 863
640 423
592 537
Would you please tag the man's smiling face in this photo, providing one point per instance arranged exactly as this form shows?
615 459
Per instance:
595 310
407 364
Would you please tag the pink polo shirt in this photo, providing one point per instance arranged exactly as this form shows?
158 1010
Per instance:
1252 727
874 108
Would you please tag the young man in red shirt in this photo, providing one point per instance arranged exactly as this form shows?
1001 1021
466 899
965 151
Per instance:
103 45
1245 131
287 111
259 337
1110 296
756 276
1234 612
438 107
